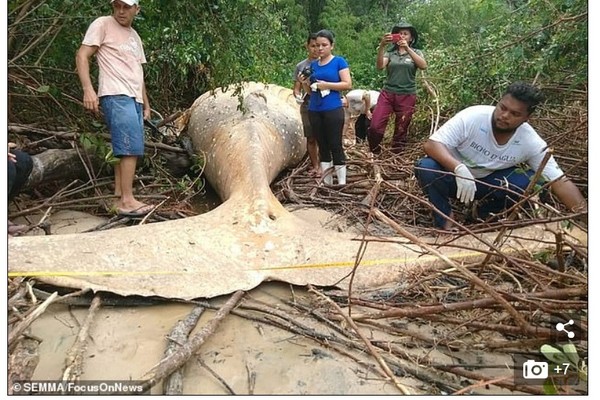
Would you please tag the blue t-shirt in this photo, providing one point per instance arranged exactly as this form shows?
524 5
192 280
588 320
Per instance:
329 72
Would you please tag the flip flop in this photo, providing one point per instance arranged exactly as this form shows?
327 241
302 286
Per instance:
138 212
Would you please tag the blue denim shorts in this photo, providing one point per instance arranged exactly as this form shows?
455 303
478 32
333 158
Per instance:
125 120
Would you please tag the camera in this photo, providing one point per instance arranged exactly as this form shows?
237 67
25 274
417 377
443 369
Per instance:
395 37
306 72
535 369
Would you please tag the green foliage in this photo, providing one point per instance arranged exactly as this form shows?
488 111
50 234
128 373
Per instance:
474 48
567 356
96 144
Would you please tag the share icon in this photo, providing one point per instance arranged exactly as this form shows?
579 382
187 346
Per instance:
561 328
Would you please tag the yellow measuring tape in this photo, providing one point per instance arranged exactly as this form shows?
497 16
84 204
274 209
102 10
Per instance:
338 264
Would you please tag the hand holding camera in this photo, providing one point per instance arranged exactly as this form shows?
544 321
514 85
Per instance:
306 72
315 86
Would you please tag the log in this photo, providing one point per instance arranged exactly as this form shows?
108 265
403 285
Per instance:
57 165
177 159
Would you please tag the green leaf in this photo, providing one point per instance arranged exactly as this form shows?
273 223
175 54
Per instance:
43 89
549 387
110 158
570 351
86 141
553 354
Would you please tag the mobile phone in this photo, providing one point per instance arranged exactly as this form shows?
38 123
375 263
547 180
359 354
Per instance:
395 37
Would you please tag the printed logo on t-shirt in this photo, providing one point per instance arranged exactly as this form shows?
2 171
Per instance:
406 59
131 47
491 155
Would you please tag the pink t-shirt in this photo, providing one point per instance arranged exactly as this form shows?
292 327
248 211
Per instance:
120 57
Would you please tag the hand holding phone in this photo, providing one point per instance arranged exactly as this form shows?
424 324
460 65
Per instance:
395 37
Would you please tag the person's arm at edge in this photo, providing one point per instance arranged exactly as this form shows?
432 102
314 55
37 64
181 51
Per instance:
344 84
568 194
367 101
382 61
147 109
297 88
440 153
82 61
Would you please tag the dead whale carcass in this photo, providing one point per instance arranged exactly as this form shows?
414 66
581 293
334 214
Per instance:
249 239
248 139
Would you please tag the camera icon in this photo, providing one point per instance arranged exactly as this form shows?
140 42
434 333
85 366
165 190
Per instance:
535 369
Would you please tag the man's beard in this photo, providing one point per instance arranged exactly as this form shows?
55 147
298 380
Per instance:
497 129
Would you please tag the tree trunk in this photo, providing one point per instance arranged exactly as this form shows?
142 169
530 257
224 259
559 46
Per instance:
56 164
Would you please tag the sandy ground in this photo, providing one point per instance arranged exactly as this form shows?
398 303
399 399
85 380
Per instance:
127 342
249 356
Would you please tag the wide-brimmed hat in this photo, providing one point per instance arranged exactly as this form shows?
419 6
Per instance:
405 25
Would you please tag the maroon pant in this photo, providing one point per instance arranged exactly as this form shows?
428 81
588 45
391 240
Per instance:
403 105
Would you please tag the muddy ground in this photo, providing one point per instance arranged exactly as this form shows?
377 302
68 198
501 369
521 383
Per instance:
272 343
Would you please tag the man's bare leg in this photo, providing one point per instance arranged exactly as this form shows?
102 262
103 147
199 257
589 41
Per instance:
313 153
117 169
124 174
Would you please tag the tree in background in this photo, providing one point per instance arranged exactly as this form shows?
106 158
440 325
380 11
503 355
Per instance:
474 48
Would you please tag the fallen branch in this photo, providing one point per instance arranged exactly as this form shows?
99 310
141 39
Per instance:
420 311
74 360
403 389
177 338
176 360
471 276
25 129
15 333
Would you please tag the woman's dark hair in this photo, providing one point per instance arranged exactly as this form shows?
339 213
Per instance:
311 36
326 34
525 93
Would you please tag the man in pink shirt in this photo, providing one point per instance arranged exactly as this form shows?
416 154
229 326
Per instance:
121 93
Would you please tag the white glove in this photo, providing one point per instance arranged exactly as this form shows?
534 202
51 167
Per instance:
465 185
314 87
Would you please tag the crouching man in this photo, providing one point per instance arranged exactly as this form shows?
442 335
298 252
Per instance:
475 155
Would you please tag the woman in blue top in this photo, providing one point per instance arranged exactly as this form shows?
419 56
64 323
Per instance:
330 75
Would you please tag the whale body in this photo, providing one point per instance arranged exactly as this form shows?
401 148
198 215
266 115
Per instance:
248 134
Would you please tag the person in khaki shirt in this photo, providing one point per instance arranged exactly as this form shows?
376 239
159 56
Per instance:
121 94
